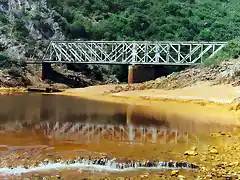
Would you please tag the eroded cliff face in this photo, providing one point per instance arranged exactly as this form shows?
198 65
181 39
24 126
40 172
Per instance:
25 27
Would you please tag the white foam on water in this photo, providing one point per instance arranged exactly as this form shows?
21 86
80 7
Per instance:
54 166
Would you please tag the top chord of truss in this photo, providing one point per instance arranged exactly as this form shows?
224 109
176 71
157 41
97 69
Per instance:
131 52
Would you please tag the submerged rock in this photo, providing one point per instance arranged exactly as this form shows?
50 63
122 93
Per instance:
220 134
191 152
145 175
180 177
213 151
175 173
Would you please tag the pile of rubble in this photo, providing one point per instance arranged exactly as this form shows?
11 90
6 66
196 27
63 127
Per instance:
228 72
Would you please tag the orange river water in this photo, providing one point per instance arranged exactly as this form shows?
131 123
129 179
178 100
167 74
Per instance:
200 109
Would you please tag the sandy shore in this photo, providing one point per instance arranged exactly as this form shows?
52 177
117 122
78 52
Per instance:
212 102
9 91
203 91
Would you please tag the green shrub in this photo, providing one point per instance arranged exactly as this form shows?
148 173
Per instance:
4 60
3 19
3 56
19 30
230 51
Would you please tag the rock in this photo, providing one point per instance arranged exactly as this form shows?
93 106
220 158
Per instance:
203 169
160 174
208 177
181 177
191 152
214 151
145 175
216 134
221 165
233 164
175 173
229 177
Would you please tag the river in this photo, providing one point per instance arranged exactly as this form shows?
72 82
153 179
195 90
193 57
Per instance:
36 128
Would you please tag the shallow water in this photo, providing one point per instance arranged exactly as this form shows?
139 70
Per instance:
34 127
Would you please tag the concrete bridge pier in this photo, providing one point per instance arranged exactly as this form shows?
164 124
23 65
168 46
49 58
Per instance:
138 74
46 70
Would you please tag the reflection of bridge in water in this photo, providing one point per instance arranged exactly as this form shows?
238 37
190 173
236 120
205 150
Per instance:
90 132
87 133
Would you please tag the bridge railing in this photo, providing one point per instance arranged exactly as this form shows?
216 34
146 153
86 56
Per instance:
131 52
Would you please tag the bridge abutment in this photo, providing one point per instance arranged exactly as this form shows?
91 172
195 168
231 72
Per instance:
138 74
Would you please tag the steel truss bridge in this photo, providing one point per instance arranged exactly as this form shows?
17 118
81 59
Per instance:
130 52
90 132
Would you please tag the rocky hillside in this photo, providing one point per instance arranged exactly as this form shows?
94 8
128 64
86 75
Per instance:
26 26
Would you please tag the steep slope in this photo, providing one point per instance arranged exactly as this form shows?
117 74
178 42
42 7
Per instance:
24 27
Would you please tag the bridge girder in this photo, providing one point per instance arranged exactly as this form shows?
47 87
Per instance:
131 52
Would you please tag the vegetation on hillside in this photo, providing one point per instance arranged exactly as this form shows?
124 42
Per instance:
230 51
205 20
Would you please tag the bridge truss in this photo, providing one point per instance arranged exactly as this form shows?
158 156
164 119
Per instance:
131 52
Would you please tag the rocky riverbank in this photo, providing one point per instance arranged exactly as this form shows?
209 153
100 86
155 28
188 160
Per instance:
217 158
29 76
227 72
